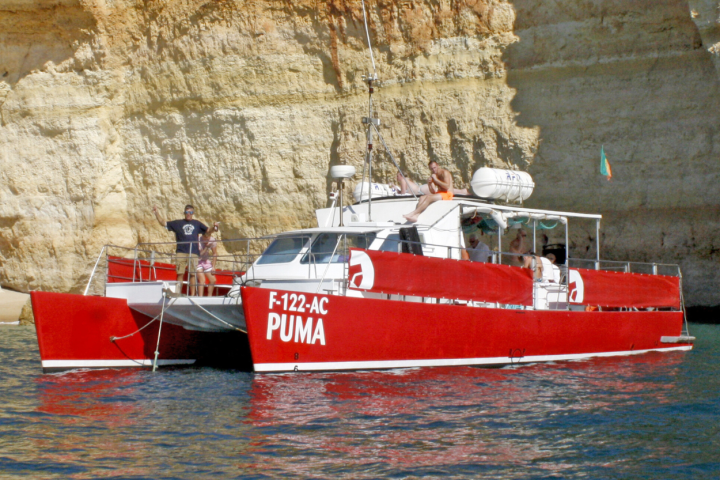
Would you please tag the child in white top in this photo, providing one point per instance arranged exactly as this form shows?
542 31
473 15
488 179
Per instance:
206 263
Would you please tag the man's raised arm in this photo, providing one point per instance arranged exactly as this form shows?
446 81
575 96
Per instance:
159 216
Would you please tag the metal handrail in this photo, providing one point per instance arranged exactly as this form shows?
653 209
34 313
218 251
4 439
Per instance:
630 267
245 261
94 269
249 240
138 259
605 264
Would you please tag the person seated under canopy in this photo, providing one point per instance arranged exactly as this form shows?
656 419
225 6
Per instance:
477 252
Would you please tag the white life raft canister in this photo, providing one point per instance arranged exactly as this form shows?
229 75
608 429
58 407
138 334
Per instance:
508 185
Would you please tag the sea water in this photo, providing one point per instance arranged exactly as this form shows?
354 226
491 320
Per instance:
646 416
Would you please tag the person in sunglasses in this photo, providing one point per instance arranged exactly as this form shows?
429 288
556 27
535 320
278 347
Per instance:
477 252
186 230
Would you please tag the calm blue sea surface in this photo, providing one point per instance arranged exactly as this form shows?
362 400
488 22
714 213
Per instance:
647 416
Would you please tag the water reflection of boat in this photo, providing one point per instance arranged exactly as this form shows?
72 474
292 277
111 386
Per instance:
276 398
89 394
407 417
369 423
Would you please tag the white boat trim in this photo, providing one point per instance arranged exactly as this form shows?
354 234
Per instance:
447 362
513 208
472 201
145 362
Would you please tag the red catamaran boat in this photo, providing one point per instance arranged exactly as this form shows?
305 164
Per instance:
365 289
360 294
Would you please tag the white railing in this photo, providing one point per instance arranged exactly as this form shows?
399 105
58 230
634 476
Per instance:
669 269
238 258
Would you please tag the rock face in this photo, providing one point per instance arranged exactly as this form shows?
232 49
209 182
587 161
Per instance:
637 78
26 314
706 15
240 108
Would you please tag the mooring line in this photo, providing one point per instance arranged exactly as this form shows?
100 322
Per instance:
113 339
157 347
216 318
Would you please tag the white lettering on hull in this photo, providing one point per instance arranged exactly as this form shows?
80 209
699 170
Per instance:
273 323
319 333
319 306
292 327
302 333
286 333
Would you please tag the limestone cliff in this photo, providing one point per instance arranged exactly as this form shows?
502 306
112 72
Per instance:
240 107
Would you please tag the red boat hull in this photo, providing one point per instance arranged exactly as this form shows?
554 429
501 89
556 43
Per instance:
361 333
75 331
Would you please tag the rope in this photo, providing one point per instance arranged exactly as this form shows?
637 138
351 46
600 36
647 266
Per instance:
157 347
216 318
393 160
545 227
367 34
113 339
329 262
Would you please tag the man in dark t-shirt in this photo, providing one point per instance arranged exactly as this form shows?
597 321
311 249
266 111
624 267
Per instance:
187 231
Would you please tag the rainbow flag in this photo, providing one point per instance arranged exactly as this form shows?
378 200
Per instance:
604 164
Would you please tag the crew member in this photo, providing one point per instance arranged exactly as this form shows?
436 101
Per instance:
186 230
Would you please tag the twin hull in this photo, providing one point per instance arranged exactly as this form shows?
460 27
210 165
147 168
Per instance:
362 333
322 332
77 331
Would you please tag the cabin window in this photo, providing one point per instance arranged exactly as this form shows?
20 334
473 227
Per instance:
283 250
324 245
391 243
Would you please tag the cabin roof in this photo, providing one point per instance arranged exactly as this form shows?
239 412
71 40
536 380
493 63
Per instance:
470 201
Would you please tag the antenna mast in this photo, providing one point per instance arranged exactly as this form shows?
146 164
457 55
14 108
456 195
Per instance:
373 123
370 120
